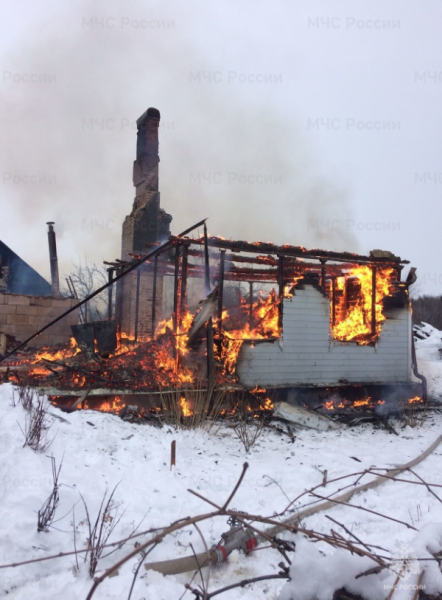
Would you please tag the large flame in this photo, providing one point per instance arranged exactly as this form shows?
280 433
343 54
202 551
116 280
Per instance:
260 321
47 353
113 406
355 320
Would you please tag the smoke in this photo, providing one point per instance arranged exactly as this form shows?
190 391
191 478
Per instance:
73 90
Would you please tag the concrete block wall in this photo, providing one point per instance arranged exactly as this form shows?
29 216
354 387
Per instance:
22 316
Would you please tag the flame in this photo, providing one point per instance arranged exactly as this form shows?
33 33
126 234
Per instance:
364 402
289 288
268 404
112 406
416 399
368 402
355 320
330 405
45 352
185 407
259 322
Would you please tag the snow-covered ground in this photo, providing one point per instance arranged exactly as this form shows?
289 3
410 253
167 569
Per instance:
430 359
99 451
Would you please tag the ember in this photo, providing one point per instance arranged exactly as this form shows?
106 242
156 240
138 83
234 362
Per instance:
368 402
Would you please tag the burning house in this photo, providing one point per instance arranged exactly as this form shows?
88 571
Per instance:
314 328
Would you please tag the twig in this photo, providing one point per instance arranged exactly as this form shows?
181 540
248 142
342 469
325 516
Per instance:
348 531
238 483
75 540
142 558
419 581
241 584
426 485
393 589
206 584
367 510
372 571
276 483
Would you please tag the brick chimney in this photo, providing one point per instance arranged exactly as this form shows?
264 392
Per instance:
147 222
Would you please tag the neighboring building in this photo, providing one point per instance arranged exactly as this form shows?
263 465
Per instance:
17 277
26 304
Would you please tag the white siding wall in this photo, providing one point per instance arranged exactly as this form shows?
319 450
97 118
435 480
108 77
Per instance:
308 355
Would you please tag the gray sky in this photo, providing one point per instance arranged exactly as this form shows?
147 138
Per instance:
308 123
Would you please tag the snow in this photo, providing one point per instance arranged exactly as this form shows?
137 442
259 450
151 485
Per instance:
100 451
429 359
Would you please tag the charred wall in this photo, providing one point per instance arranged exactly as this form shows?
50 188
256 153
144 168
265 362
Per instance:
307 355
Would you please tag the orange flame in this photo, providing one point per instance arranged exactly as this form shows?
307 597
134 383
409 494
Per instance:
58 354
354 320
185 407
112 406
259 322
416 399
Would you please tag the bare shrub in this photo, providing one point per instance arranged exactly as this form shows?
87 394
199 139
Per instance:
46 513
248 429
222 402
37 426
101 529
25 396
193 407
414 415
248 425
171 411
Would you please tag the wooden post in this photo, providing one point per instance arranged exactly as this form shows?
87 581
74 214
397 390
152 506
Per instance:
137 304
209 330
373 301
74 293
183 300
172 454
323 261
206 261
345 298
119 302
251 305
110 276
281 287
175 296
221 287
154 294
